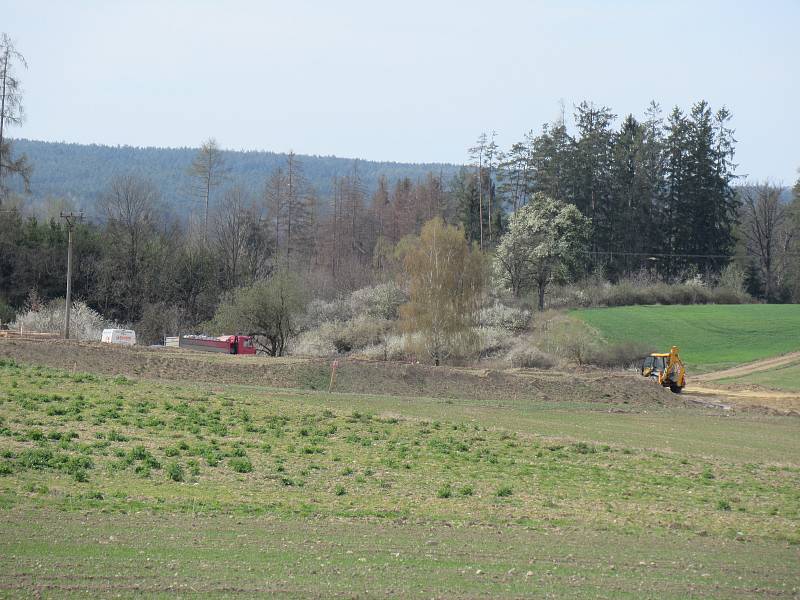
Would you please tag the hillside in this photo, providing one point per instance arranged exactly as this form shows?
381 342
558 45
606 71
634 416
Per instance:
80 172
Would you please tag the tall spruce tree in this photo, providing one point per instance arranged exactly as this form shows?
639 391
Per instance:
710 198
676 214
593 152
552 162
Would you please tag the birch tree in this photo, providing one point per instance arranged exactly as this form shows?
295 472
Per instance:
445 288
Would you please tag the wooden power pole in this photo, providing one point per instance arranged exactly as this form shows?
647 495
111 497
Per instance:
71 219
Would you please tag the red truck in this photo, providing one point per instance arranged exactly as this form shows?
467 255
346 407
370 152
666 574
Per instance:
229 344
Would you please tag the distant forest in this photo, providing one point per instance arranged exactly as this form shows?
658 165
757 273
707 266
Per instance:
80 173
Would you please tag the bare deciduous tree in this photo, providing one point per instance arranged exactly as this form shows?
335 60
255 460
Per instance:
129 206
477 154
768 238
234 222
11 112
208 171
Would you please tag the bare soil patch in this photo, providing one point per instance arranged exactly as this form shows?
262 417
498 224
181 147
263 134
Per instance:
353 376
747 395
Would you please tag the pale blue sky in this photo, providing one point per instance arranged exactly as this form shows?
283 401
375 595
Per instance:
406 81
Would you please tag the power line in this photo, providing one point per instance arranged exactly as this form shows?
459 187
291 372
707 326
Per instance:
676 255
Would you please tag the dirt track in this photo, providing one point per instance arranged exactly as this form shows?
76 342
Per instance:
391 378
747 395
754 367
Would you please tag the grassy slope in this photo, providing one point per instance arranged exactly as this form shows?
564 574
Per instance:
357 493
786 377
710 337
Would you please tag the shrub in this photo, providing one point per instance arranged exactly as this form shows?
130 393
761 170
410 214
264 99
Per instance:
115 436
445 491
466 490
504 317
37 458
339 490
723 505
381 301
240 465
391 347
504 491
175 471
319 312
139 453
85 323
313 343
355 334
644 288
577 344
584 448
732 279
530 357
492 340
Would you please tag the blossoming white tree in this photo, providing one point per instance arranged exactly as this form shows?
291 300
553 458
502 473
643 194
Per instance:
545 240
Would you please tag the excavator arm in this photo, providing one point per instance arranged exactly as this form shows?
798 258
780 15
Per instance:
674 374
667 368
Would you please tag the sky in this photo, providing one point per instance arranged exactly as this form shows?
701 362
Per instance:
411 81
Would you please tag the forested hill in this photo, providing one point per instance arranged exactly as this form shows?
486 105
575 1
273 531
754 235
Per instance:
80 172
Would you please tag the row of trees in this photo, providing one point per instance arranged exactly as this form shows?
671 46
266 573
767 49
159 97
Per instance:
652 187
133 263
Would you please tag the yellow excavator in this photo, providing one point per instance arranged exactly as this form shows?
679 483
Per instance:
666 368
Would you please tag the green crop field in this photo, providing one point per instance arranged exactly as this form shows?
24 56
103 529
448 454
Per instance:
710 337
113 486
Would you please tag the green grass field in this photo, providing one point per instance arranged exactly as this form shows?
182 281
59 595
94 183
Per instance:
113 486
710 337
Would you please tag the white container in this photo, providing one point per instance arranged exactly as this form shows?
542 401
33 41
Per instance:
126 337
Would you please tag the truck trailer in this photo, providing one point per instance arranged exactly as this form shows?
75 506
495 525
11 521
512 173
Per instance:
228 344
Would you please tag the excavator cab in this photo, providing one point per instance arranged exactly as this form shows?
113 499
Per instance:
665 368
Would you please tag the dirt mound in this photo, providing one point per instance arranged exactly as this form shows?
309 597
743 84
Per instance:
390 378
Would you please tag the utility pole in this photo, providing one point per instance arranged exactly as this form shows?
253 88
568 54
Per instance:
71 219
